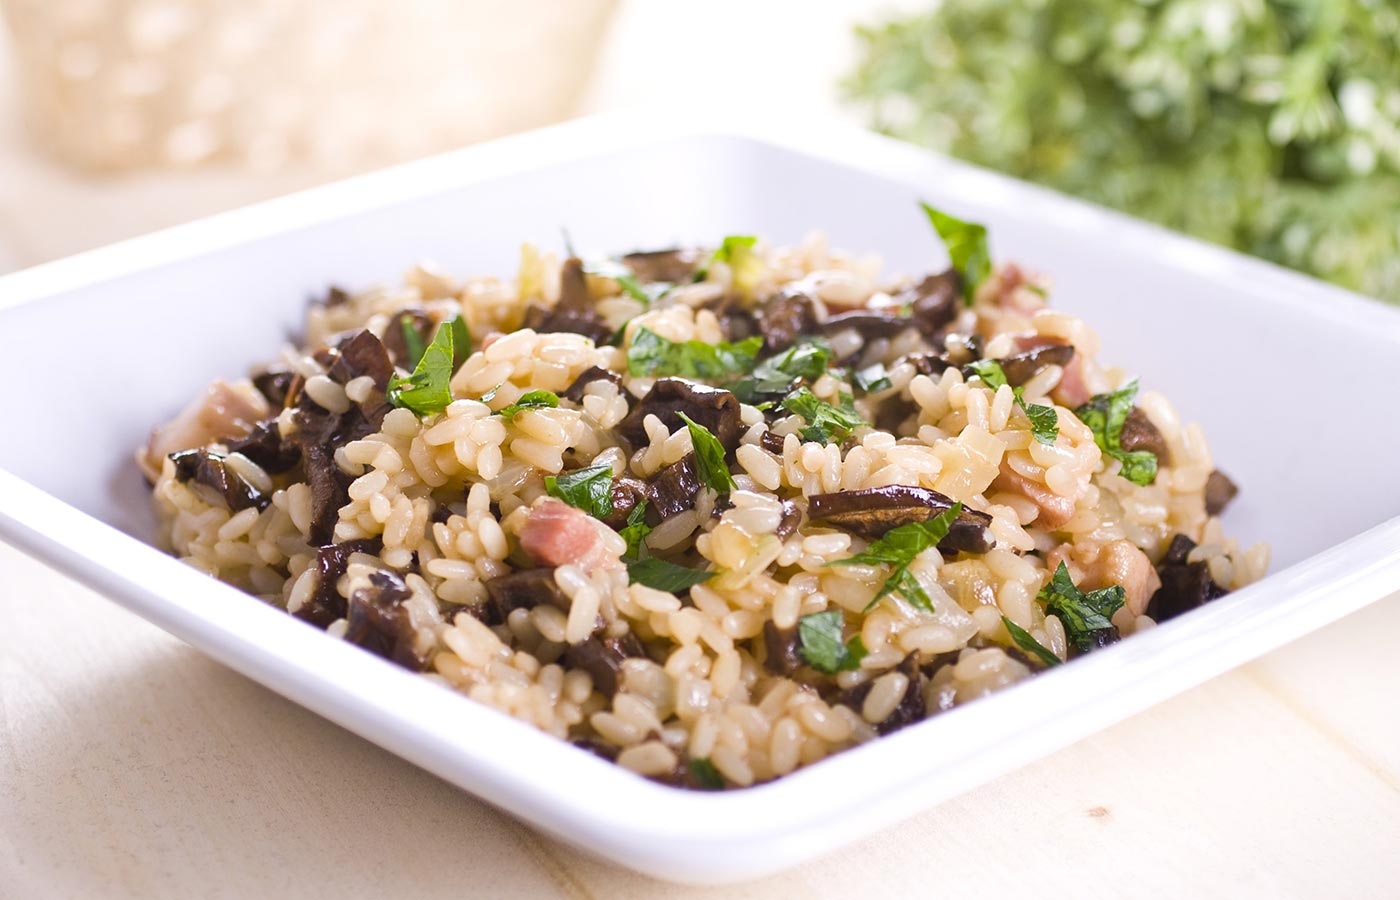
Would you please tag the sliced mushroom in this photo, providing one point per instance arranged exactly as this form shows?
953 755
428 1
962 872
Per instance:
784 657
574 313
601 657
715 409
1022 367
378 621
911 703
869 324
790 522
627 492
217 481
275 384
1185 585
871 512
574 391
1140 434
264 445
1220 490
325 604
419 322
675 265
524 589
772 442
933 302
674 488
786 316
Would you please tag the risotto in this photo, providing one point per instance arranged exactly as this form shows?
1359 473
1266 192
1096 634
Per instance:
710 513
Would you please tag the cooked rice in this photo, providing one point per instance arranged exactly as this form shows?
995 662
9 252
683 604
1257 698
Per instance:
440 501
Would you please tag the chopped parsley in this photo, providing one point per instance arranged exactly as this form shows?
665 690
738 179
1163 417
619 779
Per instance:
428 389
1086 617
653 355
775 376
1105 415
709 457
736 251
898 548
825 423
872 379
461 341
528 400
665 576
820 643
588 489
413 341
1045 422
706 776
643 568
1026 642
967 248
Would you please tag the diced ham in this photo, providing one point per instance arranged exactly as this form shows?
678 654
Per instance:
1073 391
224 411
557 534
1118 562
1014 291
1055 510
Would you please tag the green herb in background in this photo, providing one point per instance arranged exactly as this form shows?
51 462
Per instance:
825 423
1269 126
819 638
651 354
967 249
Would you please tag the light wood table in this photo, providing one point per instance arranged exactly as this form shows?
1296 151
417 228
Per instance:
130 765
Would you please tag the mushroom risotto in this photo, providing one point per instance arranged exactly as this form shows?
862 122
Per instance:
712 513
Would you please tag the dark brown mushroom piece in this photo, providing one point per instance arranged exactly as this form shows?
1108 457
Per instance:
216 481
325 604
675 265
673 489
932 363
1022 367
961 349
275 384
335 296
1185 585
1140 434
1220 490
772 442
378 620
932 303
413 319
575 389
627 492
782 645
715 409
524 589
363 354
264 445
910 708
869 324
785 317
602 658
790 522
574 313
871 512
598 748
329 490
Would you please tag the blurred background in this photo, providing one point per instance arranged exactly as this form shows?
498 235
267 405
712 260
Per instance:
1272 126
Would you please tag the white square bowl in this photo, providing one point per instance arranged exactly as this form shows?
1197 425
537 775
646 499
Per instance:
1289 377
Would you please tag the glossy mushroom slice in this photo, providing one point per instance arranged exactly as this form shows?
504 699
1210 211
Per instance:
1022 367
871 512
717 410
675 265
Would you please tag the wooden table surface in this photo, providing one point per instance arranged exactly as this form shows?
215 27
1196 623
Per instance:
132 766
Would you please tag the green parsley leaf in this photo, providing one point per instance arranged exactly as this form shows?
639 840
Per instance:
1045 422
665 576
588 489
967 248
709 457
1026 642
1086 617
899 548
872 379
646 294
706 775
461 342
635 531
412 341
825 423
820 643
653 355
776 375
736 251
1105 415
428 389
529 400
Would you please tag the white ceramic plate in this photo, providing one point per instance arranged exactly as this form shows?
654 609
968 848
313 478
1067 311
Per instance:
1286 374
